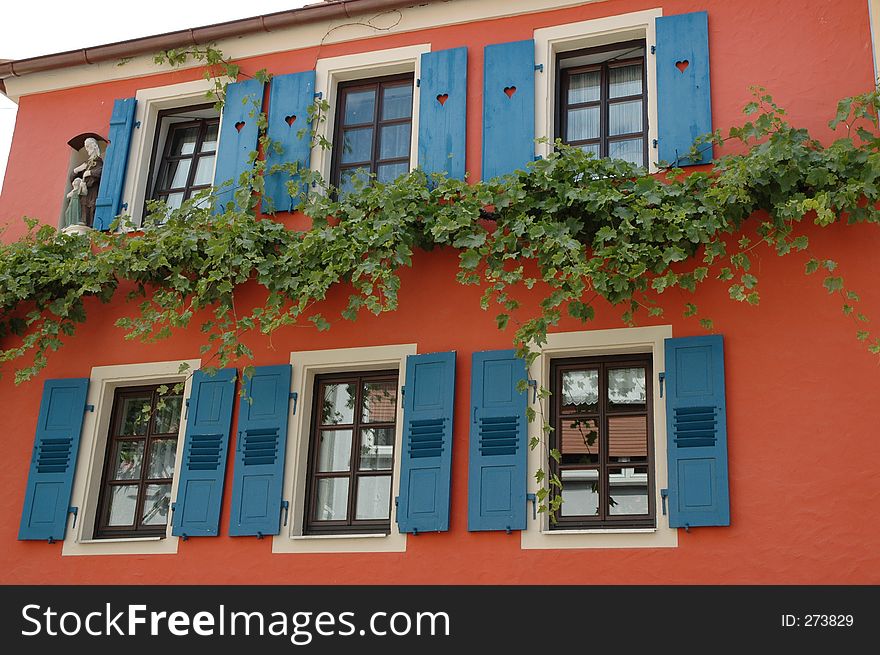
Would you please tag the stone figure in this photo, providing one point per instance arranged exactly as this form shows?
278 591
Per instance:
84 182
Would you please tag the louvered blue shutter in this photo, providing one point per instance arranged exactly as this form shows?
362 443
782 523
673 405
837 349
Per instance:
200 489
684 103
696 434
442 112
259 452
50 480
426 460
289 100
508 107
498 443
109 201
238 138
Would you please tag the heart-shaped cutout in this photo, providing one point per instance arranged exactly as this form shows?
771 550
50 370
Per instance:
239 125
510 90
290 120
682 65
442 98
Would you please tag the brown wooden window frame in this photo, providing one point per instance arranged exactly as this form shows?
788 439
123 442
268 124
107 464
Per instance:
350 525
602 363
563 76
372 166
102 528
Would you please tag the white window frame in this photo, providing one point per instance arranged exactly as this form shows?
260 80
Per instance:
103 383
307 365
330 71
550 42
591 343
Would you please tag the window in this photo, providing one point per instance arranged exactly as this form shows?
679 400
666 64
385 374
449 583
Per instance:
602 104
139 463
602 419
373 131
352 453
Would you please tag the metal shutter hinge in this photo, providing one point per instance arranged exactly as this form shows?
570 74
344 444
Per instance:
319 95
662 378
294 396
664 494
534 385
90 408
654 143
137 125
285 505
533 499
74 511
539 68
653 50
185 408
419 82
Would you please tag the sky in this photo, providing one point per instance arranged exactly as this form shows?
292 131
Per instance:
27 33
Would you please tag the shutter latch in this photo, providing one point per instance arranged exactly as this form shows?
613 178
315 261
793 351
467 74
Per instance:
533 499
664 494
662 378
285 505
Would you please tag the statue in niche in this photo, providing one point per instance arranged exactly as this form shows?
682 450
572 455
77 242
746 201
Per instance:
84 183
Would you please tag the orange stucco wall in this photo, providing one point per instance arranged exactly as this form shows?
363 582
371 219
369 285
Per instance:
802 393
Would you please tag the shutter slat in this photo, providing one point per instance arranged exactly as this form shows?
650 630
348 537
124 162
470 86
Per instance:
238 138
443 112
53 463
109 200
498 443
258 474
203 469
426 457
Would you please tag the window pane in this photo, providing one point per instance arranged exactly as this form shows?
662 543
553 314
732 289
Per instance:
357 145
580 493
338 405
349 177
135 415
625 117
123 503
176 174
625 81
580 441
129 457
183 141
390 172
204 171
394 141
628 438
379 402
210 142
626 388
162 455
583 124
629 491
156 502
397 101
590 147
583 87
580 391
373 497
359 106
377 449
334 450
632 150
168 416
332 503
174 200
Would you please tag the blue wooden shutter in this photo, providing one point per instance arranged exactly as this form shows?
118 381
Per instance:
200 489
238 137
508 107
684 104
259 452
696 432
498 444
442 112
50 480
109 201
426 460
289 99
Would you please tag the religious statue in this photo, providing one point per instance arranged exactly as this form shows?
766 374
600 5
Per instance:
84 182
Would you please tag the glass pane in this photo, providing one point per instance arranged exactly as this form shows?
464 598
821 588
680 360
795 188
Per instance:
210 142
583 87
373 497
332 501
390 172
174 200
123 503
352 179
379 401
628 488
580 441
625 81
204 171
183 141
632 150
394 141
129 457
583 124
397 102
168 415
176 174
628 438
580 391
338 406
334 450
359 106
591 147
357 145
156 502
626 388
377 449
135 415
162 455
580 493
625 117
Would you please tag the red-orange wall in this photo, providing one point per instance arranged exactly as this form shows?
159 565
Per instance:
802 393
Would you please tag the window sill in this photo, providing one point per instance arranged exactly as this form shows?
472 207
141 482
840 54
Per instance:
305 537
119 540
601 531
